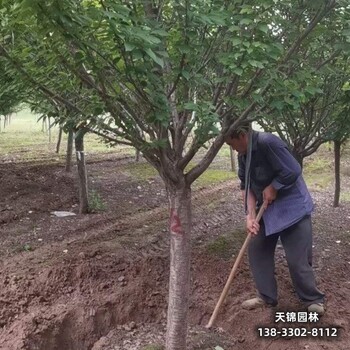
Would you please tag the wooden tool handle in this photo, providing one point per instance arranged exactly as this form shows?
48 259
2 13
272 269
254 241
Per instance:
233 272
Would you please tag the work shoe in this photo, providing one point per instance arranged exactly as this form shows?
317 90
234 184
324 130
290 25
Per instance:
317 307
252 304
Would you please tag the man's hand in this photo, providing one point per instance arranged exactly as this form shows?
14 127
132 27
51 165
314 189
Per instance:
269 195
253 227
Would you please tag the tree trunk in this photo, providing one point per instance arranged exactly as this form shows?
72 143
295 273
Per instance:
233 160
58 145
69 151
299 158
44 126
49 130
179 282
82 174
337 146
137 155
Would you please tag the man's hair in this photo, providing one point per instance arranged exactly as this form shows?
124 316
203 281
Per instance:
243 128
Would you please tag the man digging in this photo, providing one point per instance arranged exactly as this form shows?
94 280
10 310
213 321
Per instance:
269 174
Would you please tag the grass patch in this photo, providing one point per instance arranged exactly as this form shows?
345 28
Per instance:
344 196
222 247
317 165
96 203
214 176
141 171
25 139
225 152
144 171
318 173
153 347
226 245
317 182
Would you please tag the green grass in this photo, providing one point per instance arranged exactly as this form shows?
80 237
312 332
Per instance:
226 245
344 196
96 203
141 171
214 176
221 247
318 173
26 140
225 152
153 347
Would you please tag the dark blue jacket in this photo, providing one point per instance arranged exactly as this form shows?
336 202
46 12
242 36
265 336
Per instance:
272 163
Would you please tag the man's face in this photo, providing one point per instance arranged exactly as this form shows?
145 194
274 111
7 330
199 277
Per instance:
239 144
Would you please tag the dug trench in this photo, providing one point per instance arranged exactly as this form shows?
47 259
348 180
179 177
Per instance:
71 306
72 303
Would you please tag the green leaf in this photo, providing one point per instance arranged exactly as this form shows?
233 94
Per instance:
190 106
234 29
245 21
346 32
313 90
145 36
246 9
79 55
186 74
137 54
263 28
278 105
155 58
238 71
129 47
236 41
256 64
160 32
184 48
346 86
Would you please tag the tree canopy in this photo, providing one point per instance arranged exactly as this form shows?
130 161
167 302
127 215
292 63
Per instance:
170 77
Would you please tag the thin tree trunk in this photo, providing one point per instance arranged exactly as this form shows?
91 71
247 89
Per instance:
44 126
233 160
49 130
69 151
82 174
299 158
137 155
337 146
58 145
179 282
5 119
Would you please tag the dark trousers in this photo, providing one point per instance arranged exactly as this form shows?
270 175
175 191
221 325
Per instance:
297 243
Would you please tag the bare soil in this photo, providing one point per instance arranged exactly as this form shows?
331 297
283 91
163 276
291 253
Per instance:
99 281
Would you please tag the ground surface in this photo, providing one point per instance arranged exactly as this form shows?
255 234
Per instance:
99 281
